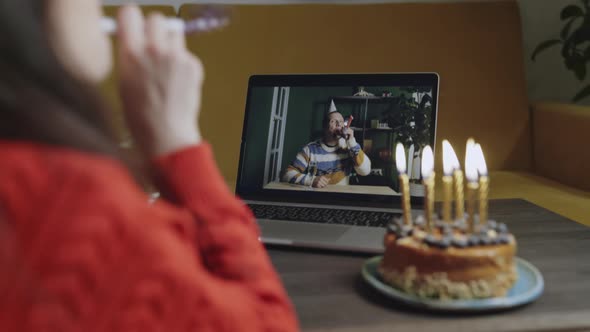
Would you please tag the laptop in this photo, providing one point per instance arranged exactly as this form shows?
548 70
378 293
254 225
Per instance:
317 159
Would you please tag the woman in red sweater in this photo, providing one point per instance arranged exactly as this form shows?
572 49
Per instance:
81 249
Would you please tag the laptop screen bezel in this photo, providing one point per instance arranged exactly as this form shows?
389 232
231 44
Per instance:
320 80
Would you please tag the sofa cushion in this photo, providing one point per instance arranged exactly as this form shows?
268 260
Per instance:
549 194
560 135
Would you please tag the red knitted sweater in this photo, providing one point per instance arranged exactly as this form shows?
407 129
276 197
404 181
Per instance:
82 250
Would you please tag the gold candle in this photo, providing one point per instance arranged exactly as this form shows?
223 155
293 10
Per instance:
400 161
428 179
484 185
447 180
472 188
472 185
459 194
458 181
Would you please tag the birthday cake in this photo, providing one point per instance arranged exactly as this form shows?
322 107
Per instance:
448 261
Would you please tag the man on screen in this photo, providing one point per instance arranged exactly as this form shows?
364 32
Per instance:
331 159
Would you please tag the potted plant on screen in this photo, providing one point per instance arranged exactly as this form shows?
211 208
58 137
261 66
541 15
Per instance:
574 41
410 117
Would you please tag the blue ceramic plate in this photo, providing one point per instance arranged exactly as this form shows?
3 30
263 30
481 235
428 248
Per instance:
527 288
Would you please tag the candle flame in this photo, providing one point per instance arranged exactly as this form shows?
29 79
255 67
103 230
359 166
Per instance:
450 160
470 161
480 161
400 158
427 162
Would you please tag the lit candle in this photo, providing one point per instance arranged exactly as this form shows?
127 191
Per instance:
472 185
447 180
484 185
400 162
428 178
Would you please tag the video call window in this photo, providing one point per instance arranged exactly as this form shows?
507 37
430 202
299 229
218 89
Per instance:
335 139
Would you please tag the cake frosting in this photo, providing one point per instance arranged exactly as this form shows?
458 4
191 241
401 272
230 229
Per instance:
448 262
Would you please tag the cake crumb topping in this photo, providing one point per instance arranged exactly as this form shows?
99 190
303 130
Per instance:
438 286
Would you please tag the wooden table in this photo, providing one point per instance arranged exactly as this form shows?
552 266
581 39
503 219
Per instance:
329 294
347 189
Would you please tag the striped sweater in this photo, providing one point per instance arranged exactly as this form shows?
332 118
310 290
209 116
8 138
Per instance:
318 159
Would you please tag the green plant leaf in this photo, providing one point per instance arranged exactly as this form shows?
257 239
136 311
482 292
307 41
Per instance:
579 69
566 48
585 92
566 29
544 45
570 62
580 35
571 11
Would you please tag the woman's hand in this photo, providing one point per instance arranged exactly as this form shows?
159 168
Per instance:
160 83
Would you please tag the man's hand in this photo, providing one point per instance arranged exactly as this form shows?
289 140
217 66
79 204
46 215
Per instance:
347 133
320 182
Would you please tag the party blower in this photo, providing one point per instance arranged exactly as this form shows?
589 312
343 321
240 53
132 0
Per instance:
207 19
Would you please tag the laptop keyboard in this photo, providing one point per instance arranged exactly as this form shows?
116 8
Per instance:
323 215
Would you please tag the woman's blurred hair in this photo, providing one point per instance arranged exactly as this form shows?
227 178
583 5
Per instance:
39 100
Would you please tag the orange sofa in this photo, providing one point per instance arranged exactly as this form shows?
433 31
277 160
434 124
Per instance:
476 48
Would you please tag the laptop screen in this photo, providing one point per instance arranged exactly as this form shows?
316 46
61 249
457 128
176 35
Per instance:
333 137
